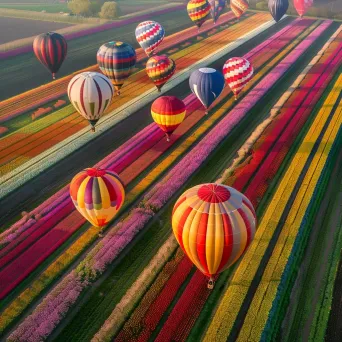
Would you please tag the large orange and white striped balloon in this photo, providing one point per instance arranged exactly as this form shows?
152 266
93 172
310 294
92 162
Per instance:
237 72
214 224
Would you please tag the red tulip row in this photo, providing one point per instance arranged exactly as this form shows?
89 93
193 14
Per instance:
296 112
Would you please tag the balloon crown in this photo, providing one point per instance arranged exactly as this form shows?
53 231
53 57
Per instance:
213 193
95 172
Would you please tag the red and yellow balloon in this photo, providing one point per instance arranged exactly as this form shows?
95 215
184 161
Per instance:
168 112
239 7
160 69
214 224
198 11
98 195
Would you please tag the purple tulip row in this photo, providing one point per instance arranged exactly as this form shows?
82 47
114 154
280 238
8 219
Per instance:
56 304
79 34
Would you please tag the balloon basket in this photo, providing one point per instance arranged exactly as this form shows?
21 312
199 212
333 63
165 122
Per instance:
118 93
206 112
167 138
211 284
53 76
93 129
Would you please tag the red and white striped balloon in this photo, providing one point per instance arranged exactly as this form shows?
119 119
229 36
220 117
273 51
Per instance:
237 72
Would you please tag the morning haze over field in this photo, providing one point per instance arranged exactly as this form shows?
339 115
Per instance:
170 170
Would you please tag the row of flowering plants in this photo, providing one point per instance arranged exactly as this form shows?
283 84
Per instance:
102 258
280 271
154 313
249 265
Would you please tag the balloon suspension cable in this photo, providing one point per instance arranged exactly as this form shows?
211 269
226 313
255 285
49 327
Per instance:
159 90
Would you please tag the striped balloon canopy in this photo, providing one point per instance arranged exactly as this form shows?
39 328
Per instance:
216 8
278 8
91 94
237 72
98 195
149 35
117 61
160 69
214 224
198 11
302 6
168 112
50 49
207 84
239 7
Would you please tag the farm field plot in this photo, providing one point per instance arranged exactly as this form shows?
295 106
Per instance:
15 28
81 54
279 143
48 7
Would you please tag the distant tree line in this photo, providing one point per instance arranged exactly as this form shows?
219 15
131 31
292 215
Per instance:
94 8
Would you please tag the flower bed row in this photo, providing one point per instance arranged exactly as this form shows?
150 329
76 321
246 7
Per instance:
31 99
108 249
245 273
279 275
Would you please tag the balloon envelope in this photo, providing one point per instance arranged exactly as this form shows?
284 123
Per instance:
50 49
214 224
149 35
91 94
278 8
116 60
239 7
168 112
198 11
160 69
237 72
216 8
207 84
97 194
302 6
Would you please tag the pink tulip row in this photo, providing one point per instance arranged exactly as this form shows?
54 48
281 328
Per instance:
107 250
93 30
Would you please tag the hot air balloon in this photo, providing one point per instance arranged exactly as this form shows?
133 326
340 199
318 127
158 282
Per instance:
168 112
198 11
160 69
91 94
97 194
238 7
149 35
214 224
216 8
116 60
278 8
50 49
207 84
302 6
237 72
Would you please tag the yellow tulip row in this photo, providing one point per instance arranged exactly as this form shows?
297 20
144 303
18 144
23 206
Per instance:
235 294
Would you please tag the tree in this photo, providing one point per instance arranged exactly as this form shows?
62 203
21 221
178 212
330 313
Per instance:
95 7
79 7
110 10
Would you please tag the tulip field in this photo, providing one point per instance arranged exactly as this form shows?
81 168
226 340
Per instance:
279 143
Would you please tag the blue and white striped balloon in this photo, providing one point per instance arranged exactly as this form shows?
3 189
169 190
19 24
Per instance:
149 35
207 84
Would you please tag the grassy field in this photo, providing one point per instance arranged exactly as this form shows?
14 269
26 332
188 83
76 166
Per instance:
50 8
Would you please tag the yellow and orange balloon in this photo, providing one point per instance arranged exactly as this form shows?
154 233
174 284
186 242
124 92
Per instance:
97 194
168 112
214 224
